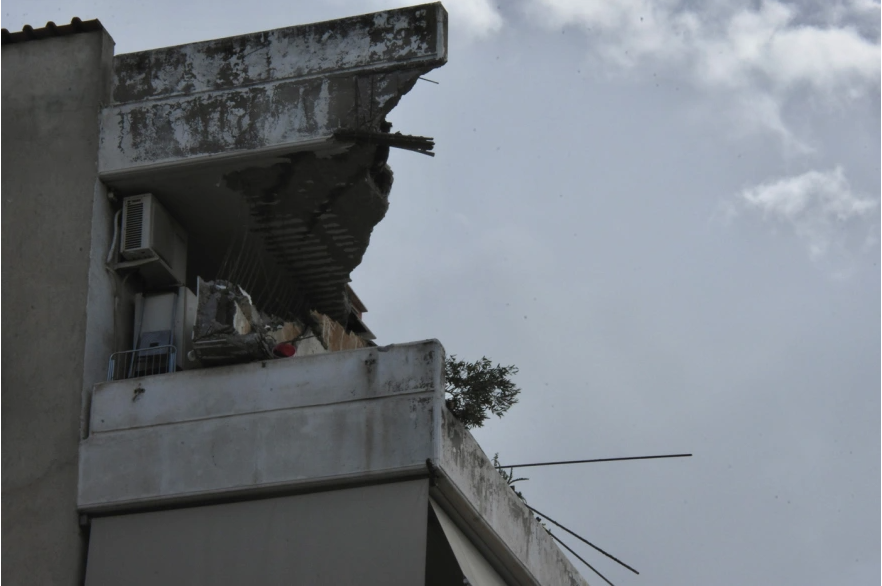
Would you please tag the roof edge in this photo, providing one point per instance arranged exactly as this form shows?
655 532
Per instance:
29 33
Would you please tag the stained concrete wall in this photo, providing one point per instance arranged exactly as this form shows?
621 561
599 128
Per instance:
299 423
269 90
52 93
494 517
303 424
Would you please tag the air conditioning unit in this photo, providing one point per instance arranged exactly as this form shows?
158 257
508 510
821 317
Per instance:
153 241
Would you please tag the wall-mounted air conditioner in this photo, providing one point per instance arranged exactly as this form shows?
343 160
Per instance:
152 241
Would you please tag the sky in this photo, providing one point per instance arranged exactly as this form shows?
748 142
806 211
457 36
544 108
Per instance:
667 215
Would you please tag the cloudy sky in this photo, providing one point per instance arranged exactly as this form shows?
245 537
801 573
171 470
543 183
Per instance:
666 213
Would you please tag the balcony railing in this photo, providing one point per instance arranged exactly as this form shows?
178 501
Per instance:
141 362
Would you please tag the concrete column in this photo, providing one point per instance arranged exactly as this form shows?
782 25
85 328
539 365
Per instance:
53 91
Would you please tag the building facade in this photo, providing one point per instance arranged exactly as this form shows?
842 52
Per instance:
192 395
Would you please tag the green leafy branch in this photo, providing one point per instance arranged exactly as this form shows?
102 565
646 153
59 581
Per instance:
477 389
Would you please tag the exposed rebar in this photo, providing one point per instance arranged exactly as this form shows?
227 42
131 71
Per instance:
582 539
580 558
594 460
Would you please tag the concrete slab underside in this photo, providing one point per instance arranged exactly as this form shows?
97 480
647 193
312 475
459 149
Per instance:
303 424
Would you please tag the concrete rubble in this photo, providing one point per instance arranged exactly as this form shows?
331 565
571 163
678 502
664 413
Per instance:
229 329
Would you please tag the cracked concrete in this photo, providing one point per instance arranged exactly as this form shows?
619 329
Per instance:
267 89
278 129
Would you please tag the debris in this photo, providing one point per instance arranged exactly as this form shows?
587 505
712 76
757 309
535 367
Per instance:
419 144
334 337
229 329
284 350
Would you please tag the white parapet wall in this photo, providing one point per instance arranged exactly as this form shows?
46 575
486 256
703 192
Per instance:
280 424
303 424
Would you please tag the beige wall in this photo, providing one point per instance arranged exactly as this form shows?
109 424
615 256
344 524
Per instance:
334 336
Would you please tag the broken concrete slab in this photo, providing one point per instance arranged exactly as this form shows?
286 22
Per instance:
283 129
380 41
268 90
315 215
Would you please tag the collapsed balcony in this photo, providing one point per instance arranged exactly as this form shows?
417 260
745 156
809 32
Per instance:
267 155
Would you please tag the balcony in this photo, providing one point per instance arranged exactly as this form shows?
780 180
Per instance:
316 427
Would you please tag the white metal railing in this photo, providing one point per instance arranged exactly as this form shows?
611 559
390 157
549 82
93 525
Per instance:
141 362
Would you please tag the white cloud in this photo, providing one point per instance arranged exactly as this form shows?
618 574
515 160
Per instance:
818 205
759 112
480 17
477 18
746 54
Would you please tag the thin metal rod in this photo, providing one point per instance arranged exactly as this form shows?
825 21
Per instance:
429 80
223 268
235 269
580 558
583 540
248 275
595 460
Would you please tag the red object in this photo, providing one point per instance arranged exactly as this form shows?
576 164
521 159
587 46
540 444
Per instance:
284 350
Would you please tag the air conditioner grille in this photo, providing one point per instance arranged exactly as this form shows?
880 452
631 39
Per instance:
134 224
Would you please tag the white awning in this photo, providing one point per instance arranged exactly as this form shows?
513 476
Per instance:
477 569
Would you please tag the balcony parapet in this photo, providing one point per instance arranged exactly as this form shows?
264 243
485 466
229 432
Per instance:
303 424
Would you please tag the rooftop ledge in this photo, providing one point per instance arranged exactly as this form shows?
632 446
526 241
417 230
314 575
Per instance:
304 424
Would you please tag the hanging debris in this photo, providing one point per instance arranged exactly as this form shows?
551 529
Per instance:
229 329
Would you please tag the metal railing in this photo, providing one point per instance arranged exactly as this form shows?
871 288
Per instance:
141 362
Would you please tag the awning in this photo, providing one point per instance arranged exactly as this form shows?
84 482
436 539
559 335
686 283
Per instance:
477 570
370 535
